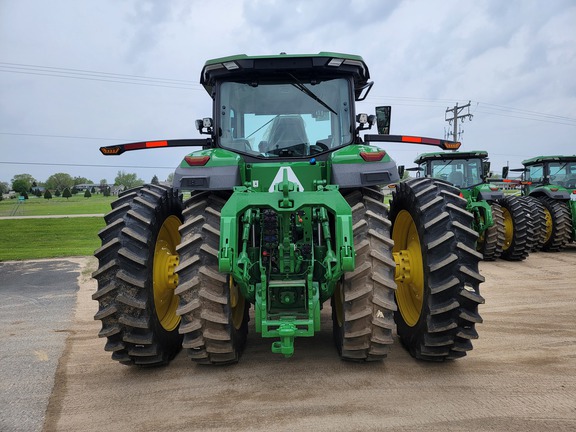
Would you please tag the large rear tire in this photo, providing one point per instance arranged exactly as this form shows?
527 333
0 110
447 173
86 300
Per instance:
558 224
517 234
136 280
214 313
363 303
437 269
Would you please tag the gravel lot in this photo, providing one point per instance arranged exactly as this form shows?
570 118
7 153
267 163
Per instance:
521 375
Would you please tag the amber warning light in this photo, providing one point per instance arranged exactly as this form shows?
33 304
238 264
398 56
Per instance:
110 150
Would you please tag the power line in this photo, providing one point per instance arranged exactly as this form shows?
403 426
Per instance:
91 75
85 165
526 112
481 107
91 72
81 74
64 136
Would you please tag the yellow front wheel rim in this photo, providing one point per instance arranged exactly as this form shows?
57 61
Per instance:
165 280
549 225
409 268
508 229
237 305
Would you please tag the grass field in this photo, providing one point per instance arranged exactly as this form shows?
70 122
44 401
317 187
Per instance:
22 239
77 204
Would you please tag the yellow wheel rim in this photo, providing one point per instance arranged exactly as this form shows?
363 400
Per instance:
237 304
164 278
549 224
409 268
508 229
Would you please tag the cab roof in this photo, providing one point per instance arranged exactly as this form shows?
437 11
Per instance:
541 159
242 66
451 155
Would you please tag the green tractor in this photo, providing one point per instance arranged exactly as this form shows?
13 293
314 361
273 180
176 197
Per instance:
502 222
549 182
285 213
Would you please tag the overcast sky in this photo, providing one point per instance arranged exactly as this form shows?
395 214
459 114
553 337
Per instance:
79 74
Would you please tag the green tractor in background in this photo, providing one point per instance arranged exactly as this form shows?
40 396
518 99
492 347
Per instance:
286 213
502 222
550 183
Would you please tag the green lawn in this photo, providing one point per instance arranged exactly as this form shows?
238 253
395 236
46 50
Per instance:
22 239
77 204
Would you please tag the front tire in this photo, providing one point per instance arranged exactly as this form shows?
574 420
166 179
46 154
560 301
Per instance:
136 280
492 239
517 236
558 224
437 270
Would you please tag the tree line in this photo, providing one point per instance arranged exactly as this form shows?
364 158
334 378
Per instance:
63 183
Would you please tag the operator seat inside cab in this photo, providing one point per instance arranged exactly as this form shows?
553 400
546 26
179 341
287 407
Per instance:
286 132
456 178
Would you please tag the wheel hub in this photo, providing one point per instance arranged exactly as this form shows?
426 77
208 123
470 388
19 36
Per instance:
409 275
165 280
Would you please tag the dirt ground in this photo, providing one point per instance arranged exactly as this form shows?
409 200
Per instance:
520 376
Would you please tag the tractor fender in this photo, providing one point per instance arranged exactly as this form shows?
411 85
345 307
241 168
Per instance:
490 195
206 178
352 175
560 194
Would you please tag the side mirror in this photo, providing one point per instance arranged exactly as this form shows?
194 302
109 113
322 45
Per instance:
505 172
401 171
383 114
486 168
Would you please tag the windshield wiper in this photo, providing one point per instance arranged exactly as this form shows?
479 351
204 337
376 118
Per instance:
308 92
265 124
444 167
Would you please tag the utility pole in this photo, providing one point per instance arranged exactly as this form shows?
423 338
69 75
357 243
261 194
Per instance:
456 114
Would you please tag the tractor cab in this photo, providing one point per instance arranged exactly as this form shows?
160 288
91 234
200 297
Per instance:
545 171
463 169
286 106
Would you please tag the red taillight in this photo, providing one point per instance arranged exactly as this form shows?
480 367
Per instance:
145 144
373 157
493 188
461 195
554 189
413 139
197 160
